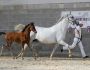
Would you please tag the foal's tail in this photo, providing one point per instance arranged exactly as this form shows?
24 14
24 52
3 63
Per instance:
2 33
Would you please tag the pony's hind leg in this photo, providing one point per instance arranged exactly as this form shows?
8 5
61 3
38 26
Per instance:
54 49
65 44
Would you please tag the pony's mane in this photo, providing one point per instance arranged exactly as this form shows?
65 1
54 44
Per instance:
59 20
65 16
25 27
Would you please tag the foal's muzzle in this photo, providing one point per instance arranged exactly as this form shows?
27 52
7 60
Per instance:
35 31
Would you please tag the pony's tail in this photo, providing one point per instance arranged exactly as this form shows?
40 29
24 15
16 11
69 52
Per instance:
2 33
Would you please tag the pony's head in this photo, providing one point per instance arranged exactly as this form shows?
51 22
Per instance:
70 18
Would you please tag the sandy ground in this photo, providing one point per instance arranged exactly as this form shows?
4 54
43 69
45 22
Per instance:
44 63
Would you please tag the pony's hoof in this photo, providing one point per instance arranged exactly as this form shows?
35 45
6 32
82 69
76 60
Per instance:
50 58
61 50
85 57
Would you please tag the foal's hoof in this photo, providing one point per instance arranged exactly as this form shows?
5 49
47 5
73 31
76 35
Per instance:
35 58
70 56
22 58
14 57
1 55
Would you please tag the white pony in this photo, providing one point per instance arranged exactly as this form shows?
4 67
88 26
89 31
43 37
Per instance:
54 34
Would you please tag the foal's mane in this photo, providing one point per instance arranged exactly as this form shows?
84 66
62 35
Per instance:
25 27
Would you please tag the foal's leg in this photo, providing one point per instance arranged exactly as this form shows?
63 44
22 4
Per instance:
11 52
25 47
19 54
9 43
2 48
22 51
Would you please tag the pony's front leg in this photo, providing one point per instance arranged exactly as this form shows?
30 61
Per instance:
65 44
35 53
54 49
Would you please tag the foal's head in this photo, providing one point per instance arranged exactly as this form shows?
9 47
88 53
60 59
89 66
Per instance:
32 27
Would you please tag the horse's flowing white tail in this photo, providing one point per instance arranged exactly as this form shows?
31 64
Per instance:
19 27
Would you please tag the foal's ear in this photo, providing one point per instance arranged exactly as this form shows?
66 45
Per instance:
32 23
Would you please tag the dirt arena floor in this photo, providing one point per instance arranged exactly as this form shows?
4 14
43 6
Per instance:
44 63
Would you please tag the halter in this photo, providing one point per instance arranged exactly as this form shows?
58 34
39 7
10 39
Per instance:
70 18
76 22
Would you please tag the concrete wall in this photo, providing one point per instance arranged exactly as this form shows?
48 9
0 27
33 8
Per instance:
41 17
20 2
42 14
